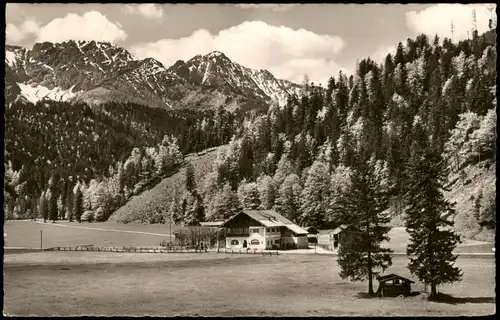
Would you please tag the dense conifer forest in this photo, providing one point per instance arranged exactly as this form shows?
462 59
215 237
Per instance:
298 159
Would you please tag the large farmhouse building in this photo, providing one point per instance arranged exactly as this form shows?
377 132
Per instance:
263 229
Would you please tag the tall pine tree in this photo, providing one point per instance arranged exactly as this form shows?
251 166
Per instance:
431 239
364 208
78 203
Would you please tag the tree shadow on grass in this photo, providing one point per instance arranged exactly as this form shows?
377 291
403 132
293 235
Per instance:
441 298
366 295
446 298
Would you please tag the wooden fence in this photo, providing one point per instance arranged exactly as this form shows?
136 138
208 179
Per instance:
128 249
250 251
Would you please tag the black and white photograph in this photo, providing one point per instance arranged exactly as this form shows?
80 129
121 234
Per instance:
249 159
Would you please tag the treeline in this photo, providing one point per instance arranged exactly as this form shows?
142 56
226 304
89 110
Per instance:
53 146
298 159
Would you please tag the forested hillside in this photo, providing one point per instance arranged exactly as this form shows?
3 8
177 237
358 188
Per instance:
298 159
52 147
152 205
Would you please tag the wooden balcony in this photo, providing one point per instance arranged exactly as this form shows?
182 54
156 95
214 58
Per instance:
237 232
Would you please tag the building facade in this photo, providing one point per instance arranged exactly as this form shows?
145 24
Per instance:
263 229
331 238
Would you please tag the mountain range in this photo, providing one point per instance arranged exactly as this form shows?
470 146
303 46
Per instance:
97 72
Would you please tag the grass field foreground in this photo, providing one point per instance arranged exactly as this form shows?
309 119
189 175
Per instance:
222 285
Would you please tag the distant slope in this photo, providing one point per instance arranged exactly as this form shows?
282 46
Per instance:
399 239
465 188
157 198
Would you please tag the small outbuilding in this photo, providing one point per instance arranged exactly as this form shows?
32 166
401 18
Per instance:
331 239
312 236
393 285
212 224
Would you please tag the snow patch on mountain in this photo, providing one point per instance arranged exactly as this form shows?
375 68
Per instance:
10 58
38 92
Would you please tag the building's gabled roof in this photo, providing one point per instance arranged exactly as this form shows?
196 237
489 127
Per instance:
311 230
296 229
211 223
270 218
393 276
325 231
339 229
267 215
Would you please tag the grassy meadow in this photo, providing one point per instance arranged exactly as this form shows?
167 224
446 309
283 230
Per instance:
89 283
98 283
26 234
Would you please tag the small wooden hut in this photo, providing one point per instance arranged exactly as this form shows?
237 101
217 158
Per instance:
393 285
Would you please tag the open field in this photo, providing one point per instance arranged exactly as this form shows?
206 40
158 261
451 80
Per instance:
26 234
399 240
84 283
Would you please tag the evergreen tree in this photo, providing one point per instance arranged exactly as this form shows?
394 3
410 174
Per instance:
44 207
315 195
339 183
225 204
288 200
431 240
191 211
60 208
245 159
267 191
364 208
283 170
52 200
69 206
190 182
248 194
78 203
175 209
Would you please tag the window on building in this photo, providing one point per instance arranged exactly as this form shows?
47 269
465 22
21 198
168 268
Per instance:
268 230
277 241
235 242
255 230
254 242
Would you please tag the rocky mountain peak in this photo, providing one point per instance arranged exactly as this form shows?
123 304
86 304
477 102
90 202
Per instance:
100 71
